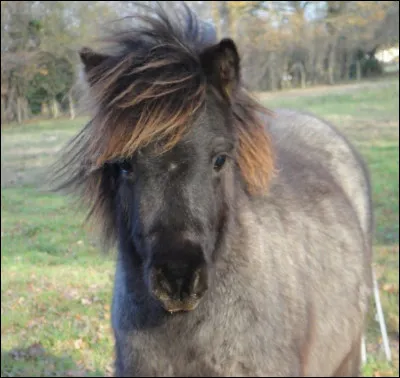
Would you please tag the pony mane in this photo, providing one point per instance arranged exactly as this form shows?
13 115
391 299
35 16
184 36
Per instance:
149 90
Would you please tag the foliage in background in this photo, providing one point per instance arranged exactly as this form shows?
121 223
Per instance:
284 44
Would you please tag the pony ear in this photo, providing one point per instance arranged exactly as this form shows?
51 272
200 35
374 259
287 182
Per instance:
221 64
91 59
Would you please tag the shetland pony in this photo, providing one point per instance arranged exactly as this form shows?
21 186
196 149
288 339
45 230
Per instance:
243 235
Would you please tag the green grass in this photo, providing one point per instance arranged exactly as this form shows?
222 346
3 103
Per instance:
373 102
56 284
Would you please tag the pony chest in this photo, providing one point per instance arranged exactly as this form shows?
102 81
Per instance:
213 346
189 356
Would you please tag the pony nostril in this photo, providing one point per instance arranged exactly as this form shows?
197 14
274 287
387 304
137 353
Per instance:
171 283
160 285
199 283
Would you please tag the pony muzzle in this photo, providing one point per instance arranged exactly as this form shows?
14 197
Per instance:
178 285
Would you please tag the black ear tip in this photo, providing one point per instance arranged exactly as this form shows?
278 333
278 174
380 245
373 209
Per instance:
227 43
84 54
90 58
85 51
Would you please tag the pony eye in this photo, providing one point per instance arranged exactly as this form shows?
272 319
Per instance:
219 162
125 166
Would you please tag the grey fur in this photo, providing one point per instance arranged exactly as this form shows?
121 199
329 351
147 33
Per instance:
292 283
286 274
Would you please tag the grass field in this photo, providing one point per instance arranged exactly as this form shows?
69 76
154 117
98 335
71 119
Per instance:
56 286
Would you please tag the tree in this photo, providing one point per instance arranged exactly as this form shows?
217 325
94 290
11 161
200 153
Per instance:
282 43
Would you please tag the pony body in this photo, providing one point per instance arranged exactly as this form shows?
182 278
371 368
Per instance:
244 237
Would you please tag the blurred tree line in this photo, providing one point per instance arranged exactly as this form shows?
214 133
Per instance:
283 43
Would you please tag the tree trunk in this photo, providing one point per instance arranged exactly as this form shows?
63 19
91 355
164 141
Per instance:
44 109
272 73
302 76
25 109
71 106
285 83
299 66
331 65
358 70
348 67
310 57
54 107
11 105
3 110
19 110
319 66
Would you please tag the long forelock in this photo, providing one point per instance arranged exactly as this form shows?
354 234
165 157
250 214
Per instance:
150 91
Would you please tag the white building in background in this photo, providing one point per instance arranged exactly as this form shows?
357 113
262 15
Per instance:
389 57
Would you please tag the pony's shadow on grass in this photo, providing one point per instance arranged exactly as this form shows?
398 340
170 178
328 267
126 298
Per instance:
34 361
